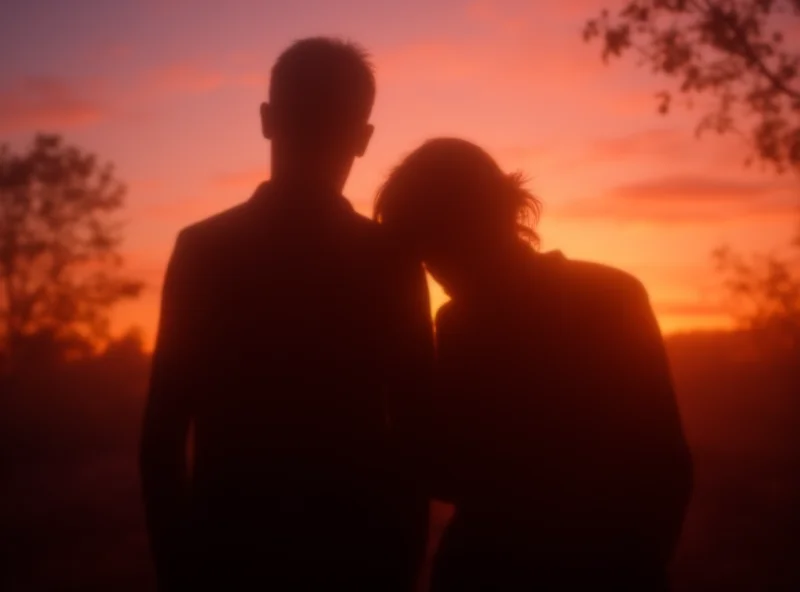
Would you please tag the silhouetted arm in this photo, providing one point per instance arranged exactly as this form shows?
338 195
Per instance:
167 417
661 465
411 362
410 359
447 456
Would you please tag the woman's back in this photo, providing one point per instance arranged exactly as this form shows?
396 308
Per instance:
540 449
558 433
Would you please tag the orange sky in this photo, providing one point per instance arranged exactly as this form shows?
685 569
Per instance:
169 91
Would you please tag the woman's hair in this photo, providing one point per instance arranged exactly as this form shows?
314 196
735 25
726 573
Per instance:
448 178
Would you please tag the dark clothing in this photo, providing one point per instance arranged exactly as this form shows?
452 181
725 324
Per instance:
296 343
563 449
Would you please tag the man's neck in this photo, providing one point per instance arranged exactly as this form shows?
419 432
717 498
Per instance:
306 185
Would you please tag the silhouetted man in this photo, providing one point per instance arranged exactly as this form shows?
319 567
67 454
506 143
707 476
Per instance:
295 343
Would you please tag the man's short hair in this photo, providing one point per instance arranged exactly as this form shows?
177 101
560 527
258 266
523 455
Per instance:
323 79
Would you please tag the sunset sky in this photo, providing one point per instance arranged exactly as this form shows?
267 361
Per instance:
169 91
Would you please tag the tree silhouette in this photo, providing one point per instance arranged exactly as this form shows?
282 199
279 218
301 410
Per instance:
731 50
765 295
60 267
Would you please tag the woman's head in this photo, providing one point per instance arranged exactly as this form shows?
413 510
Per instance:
452 203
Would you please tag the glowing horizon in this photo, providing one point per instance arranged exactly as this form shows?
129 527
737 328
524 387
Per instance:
169 92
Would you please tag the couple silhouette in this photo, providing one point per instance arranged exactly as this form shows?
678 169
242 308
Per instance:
301 415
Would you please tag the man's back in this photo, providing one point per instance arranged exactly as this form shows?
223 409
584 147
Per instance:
283 322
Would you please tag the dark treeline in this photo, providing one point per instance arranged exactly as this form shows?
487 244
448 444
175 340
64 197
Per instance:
70 432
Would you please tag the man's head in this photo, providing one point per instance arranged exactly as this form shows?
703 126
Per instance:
320 99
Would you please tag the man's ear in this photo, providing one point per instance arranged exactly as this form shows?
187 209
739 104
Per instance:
267 123
363 141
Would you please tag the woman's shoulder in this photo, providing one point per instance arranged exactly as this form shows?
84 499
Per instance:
594 279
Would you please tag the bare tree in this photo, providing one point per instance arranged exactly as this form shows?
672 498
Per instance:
60 267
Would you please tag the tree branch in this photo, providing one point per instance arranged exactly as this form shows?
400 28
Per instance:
751 57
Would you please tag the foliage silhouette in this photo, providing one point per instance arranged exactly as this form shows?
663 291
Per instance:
59 248
764 296
731 50
734 51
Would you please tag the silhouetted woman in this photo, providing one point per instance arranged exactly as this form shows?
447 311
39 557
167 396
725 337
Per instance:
556 432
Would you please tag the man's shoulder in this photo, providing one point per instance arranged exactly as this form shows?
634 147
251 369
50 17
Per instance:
217 228
365 228
370 242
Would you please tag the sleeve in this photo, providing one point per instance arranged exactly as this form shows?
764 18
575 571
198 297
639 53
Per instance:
457 448
411 364
408 388
445 434
167 417
660 464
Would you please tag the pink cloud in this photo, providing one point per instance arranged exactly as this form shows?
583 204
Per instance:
146 185
115 50
488 12
51 103
680 200
192 78
663 142
583 9
440 61
520 67
45 103
524 11
185 78
648 101
678 146
526 153
605 210
685 188
181 210
675 274
225 190
243 179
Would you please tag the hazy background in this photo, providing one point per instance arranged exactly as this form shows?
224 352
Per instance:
168 91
